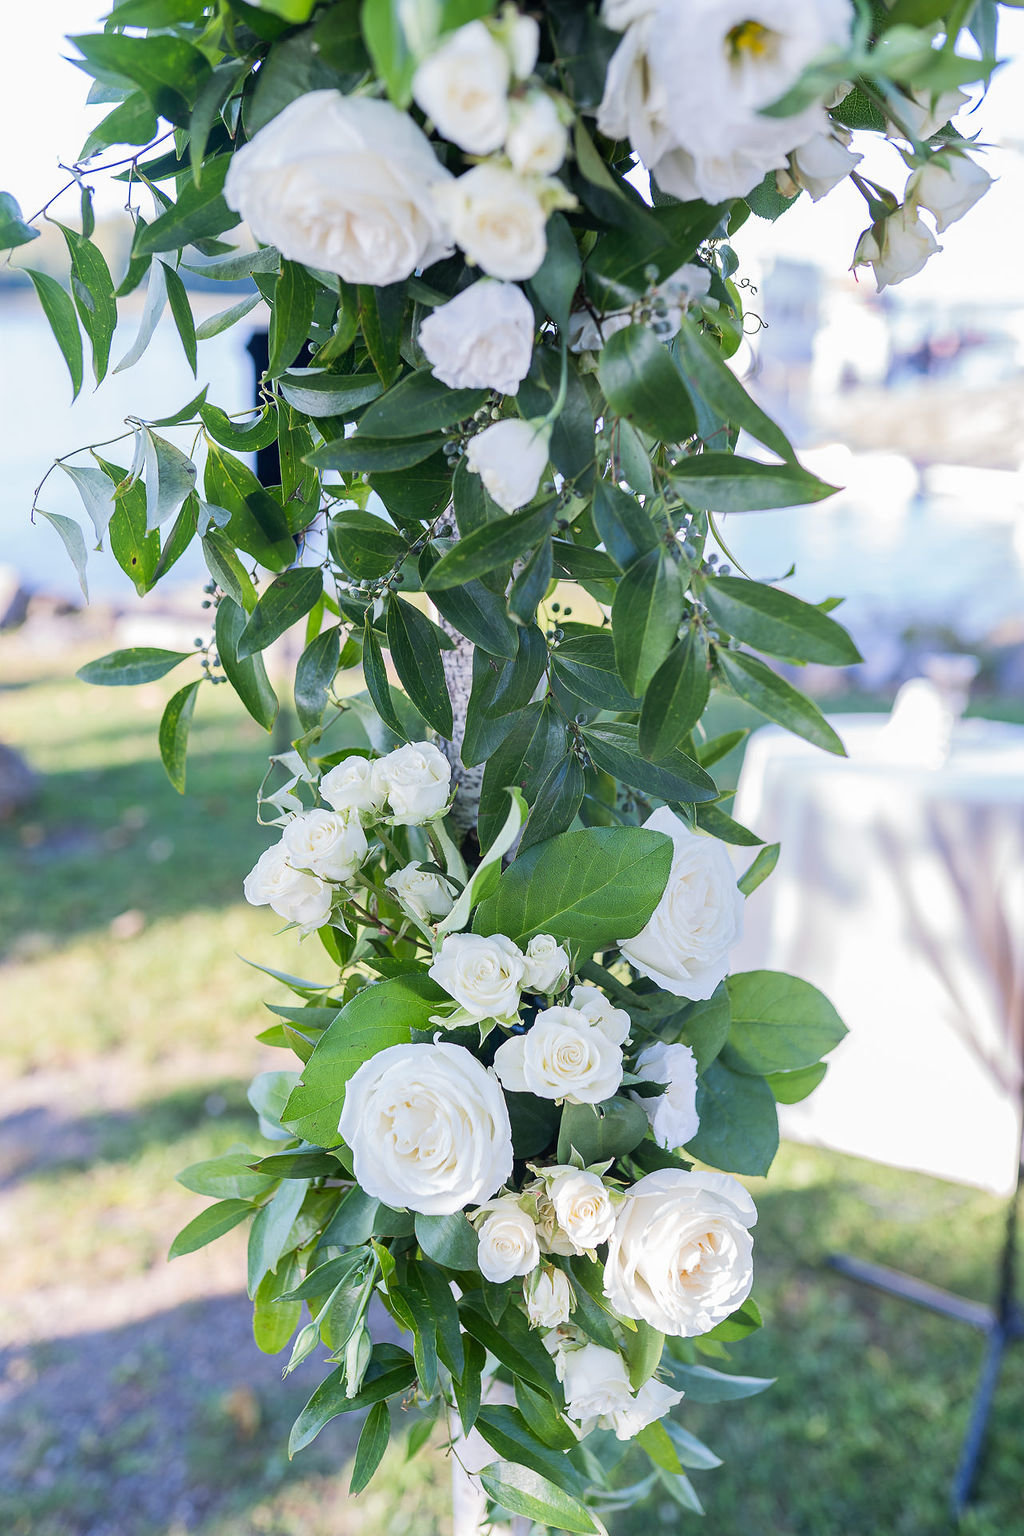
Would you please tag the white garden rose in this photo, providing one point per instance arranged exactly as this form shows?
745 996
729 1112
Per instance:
463 88
331 844
343 183
301 899
423 892
537 139
926 112
818 165
582 1205
651 1403
947 187
415 780
350 785
673 1114
680 1254
547 965
597 1010
598 1393
498 219
561 1057
484 974
685 945
897 248
510 457
548 1297
428 1128
506 1241
481 339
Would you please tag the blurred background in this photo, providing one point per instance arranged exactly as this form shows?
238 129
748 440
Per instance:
133 1401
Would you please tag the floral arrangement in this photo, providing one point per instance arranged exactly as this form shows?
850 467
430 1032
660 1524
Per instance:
495 246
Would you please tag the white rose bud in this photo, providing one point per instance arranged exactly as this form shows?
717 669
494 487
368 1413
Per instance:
483 974
332 844
537 139
685 945
506 1242
463 88
522 38
673 1114
900 250
582 1206
948 186
498 220
597 1010
652 1402
422 892
925 112
343 183
547 965
680 1254
596 1385
817 166
416 780
510 457
481 339
428 1128
298 898
561 1057
548 1297
349 785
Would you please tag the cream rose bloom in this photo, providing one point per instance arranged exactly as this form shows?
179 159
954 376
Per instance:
344 183
497 218
481 339
350 785
547 965
818 165
331 844
685 945
423 892
680 1254
463 88
483 974
597 1010
598 1393
416 782
947 187
582 1206
510 457
506 1241
673 1114
899 250
561 1057
301 899
652 1402
537 139
428 1128
548 1297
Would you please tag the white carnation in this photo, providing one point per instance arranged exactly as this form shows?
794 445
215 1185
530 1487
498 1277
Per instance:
483 974
350 785
415 780
331 844
463 88
481 339
547 965
510 457
497 218
506 1242
423 892
561 1057
673 1114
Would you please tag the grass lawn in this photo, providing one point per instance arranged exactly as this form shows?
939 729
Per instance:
133 1401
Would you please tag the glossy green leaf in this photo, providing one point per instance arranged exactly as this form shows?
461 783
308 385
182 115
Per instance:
377 684
373 1442
710 379
365 545
258 524
168 69
711 818
723 482
366 454
646 615
691 1451
227 570
703 1384
479 614
288 599
760 869
13 229
514 1343
557 801
209 1225
777 622
138 664
585 665
170 478
92 289
624 527
641 383
175 724
531 584
791 1087
274 1320
316 393
391 1371
449 1240
226 1176
412 641
676 696
290 317
771 695
314 674
557 278
60 312
601 1131
523 760
779 1022
181 312
615 748
490 547
249 677
224 319
242 436
417 405
524 1492
507 1432
393 59
199 213
381 313
739 1124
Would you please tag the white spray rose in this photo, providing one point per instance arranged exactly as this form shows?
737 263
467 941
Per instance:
651 1403
298 898
673 1114
897 248
415 780
926 112
561 1057
481 339
948 187
344 183
510 457
685 945
598 1393
332 844
423 892
537 139
680 1254
582 1206
597 1010
506 1242
428 1128
548 1297
463 88
498 219
483 974
349 785
547 965
818 165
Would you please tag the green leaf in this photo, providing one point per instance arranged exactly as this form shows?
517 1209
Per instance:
209 1225
175 723
691 1451
314 674
449 1240
760 869
74 542
642 384
779 1023
711 381
248 678
523 760
92 289
443 1311
524 1492
225 318
490 547
702 1384
391 1370
268 1235
274 1320
353 1221
615 748
771 695
558 800
368 454
556 279
60 312
412 641
168 69
291 316
227 570
791 1087
365 545
212 95
531 584
376 678
419 404
704 1026
232 269
681 1490
625 529
170 478
739 1324
479 614
654 1439
199 213
373 1442
585 665
226 1176
514 1343
138 664
316 393
591 887
381 1015
739 1126
507 1432
156 298
13 229
381 314
241 436
676 696
298 1165
258 524
181 311
646 615
484 878
288 599
710 818
723 482
601 1131
777 622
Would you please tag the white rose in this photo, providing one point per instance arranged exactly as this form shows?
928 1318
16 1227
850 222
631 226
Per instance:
582 1206
619 14
349 785
817 166
548 1297
900 250
685 945
510 457
483 974
497 218
481 339
344 183
506 1242
463 88
422 892
596 1385
925 113
948 186
547 965
652 1402
597 1010
298 898
416 780
537 139
428 1128
330 843
561 1057
673 1114
680 1254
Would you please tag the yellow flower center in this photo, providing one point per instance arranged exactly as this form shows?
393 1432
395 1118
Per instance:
749 37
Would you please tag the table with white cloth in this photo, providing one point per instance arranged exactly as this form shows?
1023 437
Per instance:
899 891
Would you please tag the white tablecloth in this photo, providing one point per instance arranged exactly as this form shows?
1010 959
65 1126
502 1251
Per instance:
899 892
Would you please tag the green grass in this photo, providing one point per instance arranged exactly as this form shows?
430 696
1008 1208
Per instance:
133 1401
